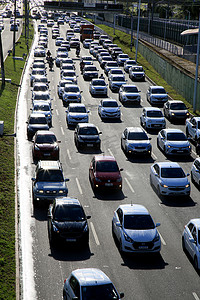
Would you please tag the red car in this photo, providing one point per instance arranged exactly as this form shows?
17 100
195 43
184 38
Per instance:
105 173
45 146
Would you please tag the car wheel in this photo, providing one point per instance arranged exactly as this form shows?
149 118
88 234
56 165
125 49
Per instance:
187 133
120 247
158 190
158 144
196 263
64 296
192 178
183 244
164 150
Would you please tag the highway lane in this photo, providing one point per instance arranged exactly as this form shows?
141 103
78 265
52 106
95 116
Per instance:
139 277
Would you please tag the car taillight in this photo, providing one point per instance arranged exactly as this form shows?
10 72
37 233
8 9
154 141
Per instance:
65 280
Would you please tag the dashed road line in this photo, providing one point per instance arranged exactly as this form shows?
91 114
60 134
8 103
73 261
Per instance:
194 153
62 130
195 296
110 152
94 234
79 186
57 112
132 190
154 156
162 240
68 153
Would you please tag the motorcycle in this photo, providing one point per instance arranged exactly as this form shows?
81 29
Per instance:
77 52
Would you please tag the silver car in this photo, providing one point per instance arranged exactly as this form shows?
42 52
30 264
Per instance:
129 93
43 107
137 73
128 64
76 113
71 93
116 81
98 87
109 109
173 142
157 95
152 118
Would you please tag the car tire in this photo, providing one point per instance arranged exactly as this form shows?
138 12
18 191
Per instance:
192 178
64 296
183 244
187 133
158 144
196 263
158 191
120 247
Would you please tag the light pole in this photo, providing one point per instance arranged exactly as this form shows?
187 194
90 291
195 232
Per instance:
138 26
132 29
196 73
14 32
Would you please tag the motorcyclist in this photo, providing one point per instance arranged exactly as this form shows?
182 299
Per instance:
78 50
101 76
48 53
50 62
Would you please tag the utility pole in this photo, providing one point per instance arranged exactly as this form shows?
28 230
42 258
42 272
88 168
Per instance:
138 27
14 32
2 63
196 73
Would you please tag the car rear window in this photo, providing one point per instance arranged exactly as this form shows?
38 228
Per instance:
73 213
172 173
107 166
138 222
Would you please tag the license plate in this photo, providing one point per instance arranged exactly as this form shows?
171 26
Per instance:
143 247
89 145
108 184
180 151
70 240
46 154
157 125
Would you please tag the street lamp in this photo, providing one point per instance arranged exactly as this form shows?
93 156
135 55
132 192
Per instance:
138 26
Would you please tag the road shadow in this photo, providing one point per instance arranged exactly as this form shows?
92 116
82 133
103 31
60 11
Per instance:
67 252
40 212
109 195
191 260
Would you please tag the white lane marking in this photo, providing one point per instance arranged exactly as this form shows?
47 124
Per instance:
94 234
141 100
121 114
53 87
194 153
57 112
83 98
132 190
162 240
154 156
68 153
79 186
62 130
110 152
195 296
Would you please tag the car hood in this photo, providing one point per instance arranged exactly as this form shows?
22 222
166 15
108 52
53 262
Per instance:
70 226
71 94
176 182
38 127
141 235
177 112
110 109
108 175
99 87
50 185
137 73
139 143
159 95
131 94
180 144
89 137
77 115
156 120
118 82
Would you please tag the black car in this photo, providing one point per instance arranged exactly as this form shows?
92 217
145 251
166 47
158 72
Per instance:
67 222
36 122
87 135
175 110
90 72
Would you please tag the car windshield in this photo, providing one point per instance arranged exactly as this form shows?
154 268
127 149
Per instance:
69 213
42 88
98 82
131 63
198 125
99 292
41 108
178 106
38 72
107 58
90 68
38 120
116 72
70 74
77 109
176 137
172 173
137 136
118 79
88 131
138 222
154 114
112 64
137 69
130 89
50 176
40 96
109 104
73 89
107 166
123 56
87 58
158 91
45 139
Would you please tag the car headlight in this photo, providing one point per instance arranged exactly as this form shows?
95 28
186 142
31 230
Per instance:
40 191
127 238
164 185
168 146
80 139
61 192
85 228
187 185
55 229
37 148
157 238
172 114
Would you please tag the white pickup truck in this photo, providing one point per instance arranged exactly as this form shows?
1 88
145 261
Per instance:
193 128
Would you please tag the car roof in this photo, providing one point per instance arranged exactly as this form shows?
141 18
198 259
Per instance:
91 276
67 200
134 209
86 125
168 164
149 108
156 86
173 130
104 158
37 115
130 85
76 105
135 129
109 100
197 118
45 132
175 101
47 164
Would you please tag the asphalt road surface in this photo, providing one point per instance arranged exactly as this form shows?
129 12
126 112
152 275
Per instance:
168 276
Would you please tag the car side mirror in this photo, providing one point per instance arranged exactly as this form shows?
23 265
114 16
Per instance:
88 217
157 224
66 179
58 142
100 132
121 169
121 295
150 138
156 175
139 91
33 179
188 174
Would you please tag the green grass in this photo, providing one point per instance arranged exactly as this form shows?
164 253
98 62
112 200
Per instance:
8 97
123 40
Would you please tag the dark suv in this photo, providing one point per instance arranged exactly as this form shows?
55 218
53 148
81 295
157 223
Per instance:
87 135
49 182
67 222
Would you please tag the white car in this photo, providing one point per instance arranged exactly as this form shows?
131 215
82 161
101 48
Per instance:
195 172
69 75
152 118
173 142
121 58
116 81
135 230
191 240
110 65
90 284
98 87
128 64
169 179
109 109
71 93
60 57
115 71
137 73
129 93
76 113
157 95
